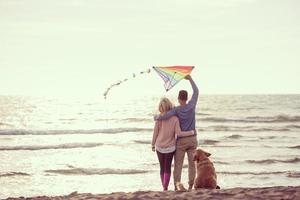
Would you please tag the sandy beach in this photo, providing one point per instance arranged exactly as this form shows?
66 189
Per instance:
279 192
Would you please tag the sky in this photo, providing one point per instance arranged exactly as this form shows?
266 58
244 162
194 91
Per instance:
80 47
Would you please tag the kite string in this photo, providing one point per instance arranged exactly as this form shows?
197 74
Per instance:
122 81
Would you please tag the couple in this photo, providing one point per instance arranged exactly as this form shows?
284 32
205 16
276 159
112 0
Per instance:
175 134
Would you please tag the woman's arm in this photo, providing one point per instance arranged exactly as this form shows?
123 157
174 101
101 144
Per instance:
155 133
180 133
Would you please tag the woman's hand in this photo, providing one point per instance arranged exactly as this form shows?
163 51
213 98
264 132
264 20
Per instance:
153 148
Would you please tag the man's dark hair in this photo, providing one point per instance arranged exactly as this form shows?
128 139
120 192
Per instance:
183 95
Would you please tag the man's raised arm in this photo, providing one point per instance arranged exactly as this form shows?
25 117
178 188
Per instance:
193 102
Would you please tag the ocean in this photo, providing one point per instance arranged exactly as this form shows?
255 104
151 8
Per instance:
52 146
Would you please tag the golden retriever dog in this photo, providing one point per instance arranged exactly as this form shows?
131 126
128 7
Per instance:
206 175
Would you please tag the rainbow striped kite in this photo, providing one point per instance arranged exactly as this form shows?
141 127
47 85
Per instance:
172 74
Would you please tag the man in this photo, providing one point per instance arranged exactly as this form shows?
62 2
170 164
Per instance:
187 118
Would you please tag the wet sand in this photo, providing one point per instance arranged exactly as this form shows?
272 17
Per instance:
279 193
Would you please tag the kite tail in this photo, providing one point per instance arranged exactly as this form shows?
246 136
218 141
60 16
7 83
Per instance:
105 94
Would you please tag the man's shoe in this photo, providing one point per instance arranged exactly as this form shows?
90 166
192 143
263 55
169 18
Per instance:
179 187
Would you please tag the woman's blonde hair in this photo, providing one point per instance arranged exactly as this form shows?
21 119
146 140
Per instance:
165 105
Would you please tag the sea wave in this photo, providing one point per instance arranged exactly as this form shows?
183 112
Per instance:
294 175
142 141
256 119
221 162
67 119
208 142
41 147
249 108
223 128
202 114
235 137
202 142
65 132
293 126
217 128
138 119
276 129
287 173
250 173
2 124
133 119
294 147
215 162
268 137
9 174
95 171
276 119
271 161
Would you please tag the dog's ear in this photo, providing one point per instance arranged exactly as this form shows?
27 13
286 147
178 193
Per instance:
207 154
195 157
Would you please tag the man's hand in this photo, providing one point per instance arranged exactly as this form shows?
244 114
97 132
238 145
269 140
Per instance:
188 77
153 148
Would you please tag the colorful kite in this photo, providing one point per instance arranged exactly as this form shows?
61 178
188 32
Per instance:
173 74
170 74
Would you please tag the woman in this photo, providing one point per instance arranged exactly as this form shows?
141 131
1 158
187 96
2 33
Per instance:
164 141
